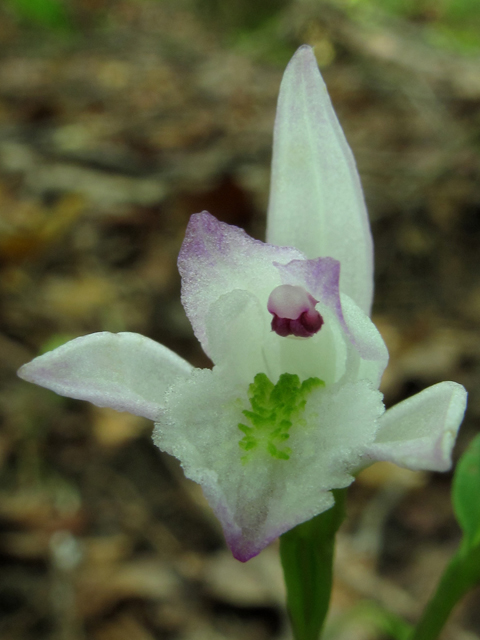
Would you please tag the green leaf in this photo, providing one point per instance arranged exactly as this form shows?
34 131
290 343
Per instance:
307 557
466 493
461 574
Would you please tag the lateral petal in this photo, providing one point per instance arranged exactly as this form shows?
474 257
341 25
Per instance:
124 371
316 200
419 433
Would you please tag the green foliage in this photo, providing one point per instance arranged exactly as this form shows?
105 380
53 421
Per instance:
388 623
45 13
372 616
462 10
254 29
57 340
466 493
463 571
429 10
459 577
240 14
274 408
453 24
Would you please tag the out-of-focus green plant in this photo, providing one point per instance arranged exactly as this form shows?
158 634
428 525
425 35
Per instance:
430 10
250 27
46 13
453 24
56 341
466 490
240 14
372 618
463 571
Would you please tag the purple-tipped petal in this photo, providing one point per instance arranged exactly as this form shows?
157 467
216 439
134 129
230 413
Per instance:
316 200
124 371
217 258
419 433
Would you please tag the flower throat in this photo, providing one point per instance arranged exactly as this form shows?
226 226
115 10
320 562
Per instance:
274 410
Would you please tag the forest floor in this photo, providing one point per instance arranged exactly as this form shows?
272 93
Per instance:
109 140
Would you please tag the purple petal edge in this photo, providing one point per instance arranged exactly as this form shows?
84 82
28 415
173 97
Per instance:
244 550
216 258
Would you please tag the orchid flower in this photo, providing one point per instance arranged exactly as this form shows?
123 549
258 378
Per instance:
291 408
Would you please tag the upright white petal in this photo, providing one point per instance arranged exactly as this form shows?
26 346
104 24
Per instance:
316 200
124 371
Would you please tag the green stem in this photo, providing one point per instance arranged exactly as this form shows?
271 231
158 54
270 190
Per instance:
306 553
462 573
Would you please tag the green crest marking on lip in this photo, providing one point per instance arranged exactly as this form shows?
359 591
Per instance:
274 408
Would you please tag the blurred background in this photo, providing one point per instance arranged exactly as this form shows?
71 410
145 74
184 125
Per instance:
118 120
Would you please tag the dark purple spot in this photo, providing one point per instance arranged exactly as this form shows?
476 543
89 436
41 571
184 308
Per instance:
294 312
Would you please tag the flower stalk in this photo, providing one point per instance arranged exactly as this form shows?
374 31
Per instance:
307 553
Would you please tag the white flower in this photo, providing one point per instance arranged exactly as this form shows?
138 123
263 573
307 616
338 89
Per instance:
291 408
